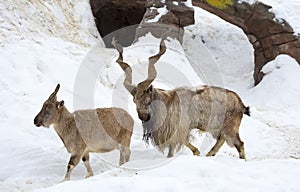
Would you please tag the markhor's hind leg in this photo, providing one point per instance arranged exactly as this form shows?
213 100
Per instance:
124 154
193 148
239 145
217 146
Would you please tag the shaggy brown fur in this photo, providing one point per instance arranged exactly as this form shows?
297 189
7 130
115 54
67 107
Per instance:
169 115
94 130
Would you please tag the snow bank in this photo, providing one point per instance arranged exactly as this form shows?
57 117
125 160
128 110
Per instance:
275 101
279 89
69 20
219 52
279 92
188 173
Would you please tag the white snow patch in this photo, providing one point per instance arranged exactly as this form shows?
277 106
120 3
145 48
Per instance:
161 11
175 3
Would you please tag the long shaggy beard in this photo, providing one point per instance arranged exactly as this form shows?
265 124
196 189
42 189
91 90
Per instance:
166 132
147 129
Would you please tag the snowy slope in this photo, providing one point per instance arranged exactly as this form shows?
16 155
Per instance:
40 46
68 20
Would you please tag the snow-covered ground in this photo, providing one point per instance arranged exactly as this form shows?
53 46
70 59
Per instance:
42 44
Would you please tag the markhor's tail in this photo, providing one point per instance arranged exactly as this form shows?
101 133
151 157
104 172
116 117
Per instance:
247 111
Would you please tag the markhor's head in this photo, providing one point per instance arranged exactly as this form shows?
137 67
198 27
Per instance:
50 111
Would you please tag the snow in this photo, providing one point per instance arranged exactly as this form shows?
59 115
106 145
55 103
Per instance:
199 174
214 46
161 12
69 20
188 3
175 3
33 60
277 83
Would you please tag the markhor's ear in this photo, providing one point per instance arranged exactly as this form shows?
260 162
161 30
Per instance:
60 104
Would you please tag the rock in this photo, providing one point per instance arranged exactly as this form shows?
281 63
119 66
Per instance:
129 19
161 16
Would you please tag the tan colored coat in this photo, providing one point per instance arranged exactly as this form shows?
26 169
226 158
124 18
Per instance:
93 130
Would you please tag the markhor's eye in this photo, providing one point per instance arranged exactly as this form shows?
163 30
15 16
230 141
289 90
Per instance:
48 111
147 101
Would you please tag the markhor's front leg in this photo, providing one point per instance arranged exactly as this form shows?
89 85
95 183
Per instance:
171 151
74 160
86 161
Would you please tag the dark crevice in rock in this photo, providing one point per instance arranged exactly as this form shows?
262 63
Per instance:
283 43
118 18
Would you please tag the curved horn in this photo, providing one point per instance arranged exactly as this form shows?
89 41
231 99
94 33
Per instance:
151 69
126 68
53 95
